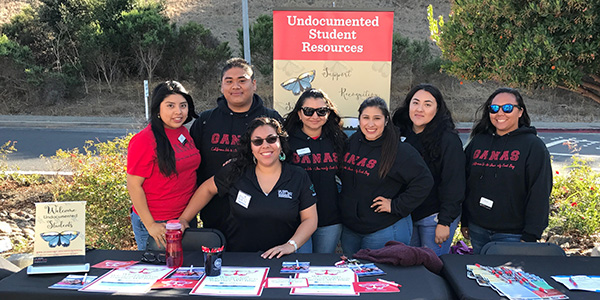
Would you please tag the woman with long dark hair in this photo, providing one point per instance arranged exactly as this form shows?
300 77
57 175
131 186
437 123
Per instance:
161 164
509 175
272 203
317 143
383 181
426 123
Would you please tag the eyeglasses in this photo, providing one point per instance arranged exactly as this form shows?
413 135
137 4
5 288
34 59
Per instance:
507 108
321 111
270 139
152 258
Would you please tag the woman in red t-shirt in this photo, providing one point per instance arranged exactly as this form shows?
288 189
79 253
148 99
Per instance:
161 164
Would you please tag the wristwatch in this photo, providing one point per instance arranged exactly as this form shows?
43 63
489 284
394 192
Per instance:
293 243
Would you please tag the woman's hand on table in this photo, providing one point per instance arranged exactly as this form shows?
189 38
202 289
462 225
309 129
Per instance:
279 251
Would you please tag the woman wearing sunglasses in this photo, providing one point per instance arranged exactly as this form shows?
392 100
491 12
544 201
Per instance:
272 203
317 142
426 123
383 181
509 175
161 164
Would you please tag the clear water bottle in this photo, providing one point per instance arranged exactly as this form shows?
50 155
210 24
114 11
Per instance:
174 251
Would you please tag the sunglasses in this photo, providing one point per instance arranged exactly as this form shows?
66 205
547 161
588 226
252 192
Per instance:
151 257
270 139
309 111
507 108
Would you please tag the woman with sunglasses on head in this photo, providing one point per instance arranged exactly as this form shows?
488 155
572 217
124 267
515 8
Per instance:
161 164
317 142
426 123
509 175
383 181
272 203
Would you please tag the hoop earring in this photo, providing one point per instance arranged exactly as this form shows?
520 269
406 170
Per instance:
254 159
281 156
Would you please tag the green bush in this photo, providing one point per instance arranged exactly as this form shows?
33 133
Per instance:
193 54
575 201
526 44
99 178
414 56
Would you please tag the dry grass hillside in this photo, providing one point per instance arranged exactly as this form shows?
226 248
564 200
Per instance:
224 18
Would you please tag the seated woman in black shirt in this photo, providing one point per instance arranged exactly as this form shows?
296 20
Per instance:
272 203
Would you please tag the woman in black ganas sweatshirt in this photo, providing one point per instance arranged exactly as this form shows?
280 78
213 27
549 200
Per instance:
509 175
317 141
383 181
426 123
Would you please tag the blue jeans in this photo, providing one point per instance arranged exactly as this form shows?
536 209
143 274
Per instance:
140 231
424 234
325 238
399 231
306 248
481 236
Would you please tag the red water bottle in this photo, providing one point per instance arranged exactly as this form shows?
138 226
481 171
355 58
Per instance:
174 252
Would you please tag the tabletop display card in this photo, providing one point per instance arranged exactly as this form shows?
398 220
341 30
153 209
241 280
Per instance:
136 279
328 281
375 287
73 282
366 270
182 278
59 242
579 282
233 281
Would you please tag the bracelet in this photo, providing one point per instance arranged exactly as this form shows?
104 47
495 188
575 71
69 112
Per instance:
293 243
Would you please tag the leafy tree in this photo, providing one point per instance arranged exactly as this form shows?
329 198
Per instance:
261 43
147 31
530 44
28 30
18 73
100 54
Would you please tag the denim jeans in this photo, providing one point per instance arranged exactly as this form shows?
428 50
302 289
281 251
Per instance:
325 238
306 248
140 231
399 231
424 234
481 236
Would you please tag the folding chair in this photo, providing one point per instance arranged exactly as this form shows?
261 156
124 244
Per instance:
522 248
194 238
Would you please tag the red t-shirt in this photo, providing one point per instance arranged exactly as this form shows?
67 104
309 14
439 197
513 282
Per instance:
167 197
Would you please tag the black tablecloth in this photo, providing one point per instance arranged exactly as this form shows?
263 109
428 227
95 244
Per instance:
455 272
417 282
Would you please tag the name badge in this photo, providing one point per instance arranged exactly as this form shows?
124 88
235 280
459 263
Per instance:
182 139
303 151
243 199
486 203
